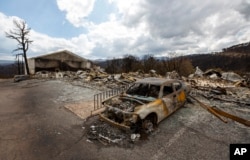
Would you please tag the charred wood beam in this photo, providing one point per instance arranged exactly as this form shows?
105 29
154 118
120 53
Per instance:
209 109
218 113
233 117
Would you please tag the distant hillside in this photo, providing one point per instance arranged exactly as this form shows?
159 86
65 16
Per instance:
6 62
234 58
101 63
239 48
8 70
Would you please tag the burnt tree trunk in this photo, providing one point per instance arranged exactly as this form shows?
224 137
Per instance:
20 34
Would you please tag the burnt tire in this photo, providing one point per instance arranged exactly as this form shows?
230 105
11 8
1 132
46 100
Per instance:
149 123
135 127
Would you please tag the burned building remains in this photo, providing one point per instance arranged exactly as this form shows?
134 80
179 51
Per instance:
58 61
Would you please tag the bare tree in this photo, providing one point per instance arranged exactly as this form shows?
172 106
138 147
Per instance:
113 65
20 34
149 62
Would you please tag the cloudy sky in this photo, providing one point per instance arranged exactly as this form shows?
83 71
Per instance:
112 28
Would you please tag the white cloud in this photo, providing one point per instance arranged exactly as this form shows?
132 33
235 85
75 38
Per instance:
164 26
142 27
161 27
5 25
42 43
76 10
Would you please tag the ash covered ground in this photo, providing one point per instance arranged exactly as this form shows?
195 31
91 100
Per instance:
50 119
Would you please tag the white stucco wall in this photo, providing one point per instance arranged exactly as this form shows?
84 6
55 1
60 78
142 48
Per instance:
31 64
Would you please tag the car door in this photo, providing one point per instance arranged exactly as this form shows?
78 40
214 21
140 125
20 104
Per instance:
179 94
169 97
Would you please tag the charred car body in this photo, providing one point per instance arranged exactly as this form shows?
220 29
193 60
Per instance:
145 104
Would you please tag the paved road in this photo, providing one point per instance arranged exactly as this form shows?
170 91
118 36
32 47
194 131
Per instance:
34 126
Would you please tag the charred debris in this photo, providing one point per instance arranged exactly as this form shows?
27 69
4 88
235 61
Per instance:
225 92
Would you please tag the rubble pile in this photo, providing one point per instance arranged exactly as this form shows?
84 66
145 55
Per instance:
215 78
107 134
172 75
224 94
225 90
238 95
96 79
231 76
222 86
215 88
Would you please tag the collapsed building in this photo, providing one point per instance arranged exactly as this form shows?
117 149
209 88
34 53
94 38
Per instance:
59 61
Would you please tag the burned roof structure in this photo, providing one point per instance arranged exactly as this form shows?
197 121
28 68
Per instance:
58 61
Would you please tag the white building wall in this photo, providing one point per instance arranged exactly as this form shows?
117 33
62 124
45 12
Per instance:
31 64
86 64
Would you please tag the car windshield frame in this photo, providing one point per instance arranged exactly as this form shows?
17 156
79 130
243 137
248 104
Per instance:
144 90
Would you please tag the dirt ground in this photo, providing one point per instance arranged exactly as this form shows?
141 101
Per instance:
37 122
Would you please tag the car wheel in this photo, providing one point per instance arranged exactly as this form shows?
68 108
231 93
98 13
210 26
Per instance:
149 123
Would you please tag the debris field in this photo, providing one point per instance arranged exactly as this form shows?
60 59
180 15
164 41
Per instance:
225 91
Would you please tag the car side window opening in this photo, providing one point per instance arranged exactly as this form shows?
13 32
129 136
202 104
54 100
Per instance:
138 89
143 90
167 90
133 89
154 91
177 86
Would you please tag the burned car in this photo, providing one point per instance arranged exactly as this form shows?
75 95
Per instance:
145 104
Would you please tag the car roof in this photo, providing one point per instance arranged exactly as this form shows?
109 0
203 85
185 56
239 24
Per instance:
156 81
